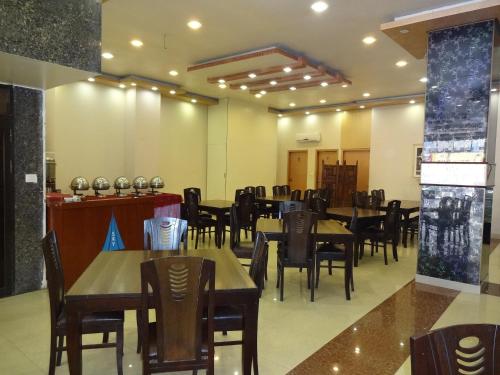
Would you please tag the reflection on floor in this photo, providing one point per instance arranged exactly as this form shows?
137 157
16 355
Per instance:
289 331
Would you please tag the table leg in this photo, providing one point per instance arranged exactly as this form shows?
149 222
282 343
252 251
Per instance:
249 349
74 341
406 223
348 270
220 229
356 250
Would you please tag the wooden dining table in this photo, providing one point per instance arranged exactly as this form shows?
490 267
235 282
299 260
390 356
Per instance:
219 208
407 208
112 282
327 231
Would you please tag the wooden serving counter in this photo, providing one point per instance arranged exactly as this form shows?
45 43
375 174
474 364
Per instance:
81 227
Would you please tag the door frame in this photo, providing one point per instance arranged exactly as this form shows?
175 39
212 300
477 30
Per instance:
306 151
318 150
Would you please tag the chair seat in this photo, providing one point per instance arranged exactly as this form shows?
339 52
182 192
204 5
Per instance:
207 221
330 251
95 322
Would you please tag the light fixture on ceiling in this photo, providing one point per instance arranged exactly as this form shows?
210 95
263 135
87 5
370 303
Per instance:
133 84
173 73
137 43
194 24
122 85
308 113
280 115
494 89
221 80
412 101
369 40
307 77
319 6
322 101
345 85
423 79
263 92
292 104
91 79
222 85
287 69
362 106
273 83
194 101
338 109
404 31
154 88
172 92
293 88
252 75
324 84
258 95
366 94
401 63
243 87
107 55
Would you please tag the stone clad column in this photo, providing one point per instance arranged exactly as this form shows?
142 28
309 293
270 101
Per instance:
458 157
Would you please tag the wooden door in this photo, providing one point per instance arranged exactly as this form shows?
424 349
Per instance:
297 170
363 159
329 157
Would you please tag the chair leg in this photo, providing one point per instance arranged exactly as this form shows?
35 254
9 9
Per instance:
318 267
53 349
139 333
105 337
308 278
60 345
395 250
282 276
385 252
329 267
278 276
119 350
311 281
197 235
265 271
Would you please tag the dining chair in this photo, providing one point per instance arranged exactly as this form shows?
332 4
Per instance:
308 196
247 213
264 209
381 193
285 190
338 253
277 190
319 205
295 195
196 191
98 322
288 206
237 193
260 191
165 233
179 289
297 249
196 221
459 349
250 189
375 200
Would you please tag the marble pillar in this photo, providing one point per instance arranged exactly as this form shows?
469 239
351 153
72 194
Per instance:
458 157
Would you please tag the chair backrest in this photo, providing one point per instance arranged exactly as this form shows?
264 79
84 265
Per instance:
237 193
353 225
300 228
375 200
361 199
192 209
460 349
324 193
392 219
381 193
195 190
246 209
178 285
319 205
258 265
295 195
277 190
234 227
250 189
308 195
165 233
55 275
285 190
260 191
288 206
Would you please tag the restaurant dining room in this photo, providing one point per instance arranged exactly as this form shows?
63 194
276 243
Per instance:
244 187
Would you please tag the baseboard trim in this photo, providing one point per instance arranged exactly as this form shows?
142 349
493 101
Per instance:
468 288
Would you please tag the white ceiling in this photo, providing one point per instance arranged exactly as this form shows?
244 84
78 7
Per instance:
230 26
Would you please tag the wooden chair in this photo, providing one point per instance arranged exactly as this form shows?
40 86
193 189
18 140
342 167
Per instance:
265 210
288 206
295 195
260 191
237 193
308 196
277 191
376 200
178 340
105 322
337 253
247 213
381 193
165 233
360 199
285 189
319 205
196 221
250 189
460 349
297 250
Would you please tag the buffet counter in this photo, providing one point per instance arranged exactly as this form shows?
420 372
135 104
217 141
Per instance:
82 227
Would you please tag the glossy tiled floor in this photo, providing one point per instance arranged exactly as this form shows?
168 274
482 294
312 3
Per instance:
289 331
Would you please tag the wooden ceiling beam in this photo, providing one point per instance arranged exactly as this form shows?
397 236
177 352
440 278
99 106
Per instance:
303 85
287 78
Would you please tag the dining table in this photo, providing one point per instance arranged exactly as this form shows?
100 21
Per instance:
331 231
407 208
112 282
220 208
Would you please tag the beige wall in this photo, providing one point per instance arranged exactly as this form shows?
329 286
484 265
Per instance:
395 130
356 129
217 150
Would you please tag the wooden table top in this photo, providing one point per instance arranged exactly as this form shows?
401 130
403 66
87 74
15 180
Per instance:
216 203
324 227
345 213
276 198
117 273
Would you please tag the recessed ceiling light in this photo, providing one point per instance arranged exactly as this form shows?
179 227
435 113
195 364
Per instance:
338 109
434 87
136 43
362 106
366 94
280 115
494 89
194 24
122 85
401 63
287 69
221 80
173 73
91 79
307 77
308 113
273 83
243 87
412 101
293 88
154 88
263 92
292 104
107 55
172 92
222 85
258 95
324 84
404 31
194 101
322 101
133 84
423 79
345 85
319 6
369 40
252 75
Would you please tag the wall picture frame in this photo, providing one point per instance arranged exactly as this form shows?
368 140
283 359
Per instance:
417 159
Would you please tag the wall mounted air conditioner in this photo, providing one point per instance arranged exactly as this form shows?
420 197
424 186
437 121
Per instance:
308 137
